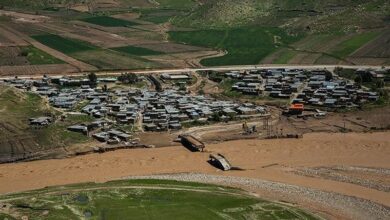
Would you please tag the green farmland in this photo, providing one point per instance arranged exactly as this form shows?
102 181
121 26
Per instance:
64 45
349 46
109 21
244 46
137 51
146 199
39 57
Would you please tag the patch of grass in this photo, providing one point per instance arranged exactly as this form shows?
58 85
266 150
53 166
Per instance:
19 107
110 59
244 46
176 4
137 51
56 135
36 56
285 56
109 21
194 124
349 46
169 200
346 73
226 85
65 45
5 216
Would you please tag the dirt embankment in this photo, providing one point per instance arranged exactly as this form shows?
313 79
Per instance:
355 156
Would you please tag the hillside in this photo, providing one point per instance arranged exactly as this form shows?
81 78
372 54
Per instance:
17 138
304 15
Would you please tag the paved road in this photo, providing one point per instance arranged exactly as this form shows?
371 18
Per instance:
222 68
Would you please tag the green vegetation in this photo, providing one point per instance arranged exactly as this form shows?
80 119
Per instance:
36 56
194 124
109 21
64 45
138 51
147 199
285 56
349 46
111 59
16 108
177 4
244 46
313 16
226 85
346 73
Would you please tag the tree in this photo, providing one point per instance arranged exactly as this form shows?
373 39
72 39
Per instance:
216 117
128 78
92 78
104 88
328 75
359 80
379 83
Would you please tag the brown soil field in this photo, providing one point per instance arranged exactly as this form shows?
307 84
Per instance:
127 16
10 56
353 155
91 35
7 38
37 69
23 17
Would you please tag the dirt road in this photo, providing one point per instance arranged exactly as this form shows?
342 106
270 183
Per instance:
222 68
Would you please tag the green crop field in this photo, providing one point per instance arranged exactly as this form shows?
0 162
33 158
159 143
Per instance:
285 56
138 51
349 46
64 45
244 46
109 21
36 56
146 199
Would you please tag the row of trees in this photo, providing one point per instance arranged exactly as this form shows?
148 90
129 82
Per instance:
127 78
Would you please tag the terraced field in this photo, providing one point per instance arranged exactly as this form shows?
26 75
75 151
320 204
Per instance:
144 199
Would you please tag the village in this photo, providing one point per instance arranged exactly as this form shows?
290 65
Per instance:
319 88
163 102
140 109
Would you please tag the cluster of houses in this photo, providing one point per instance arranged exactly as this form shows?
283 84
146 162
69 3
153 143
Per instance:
142 108
316 87
250 83
333 93
171 108
277 83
